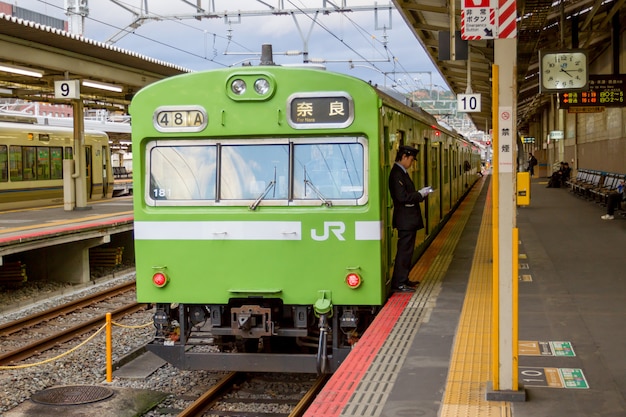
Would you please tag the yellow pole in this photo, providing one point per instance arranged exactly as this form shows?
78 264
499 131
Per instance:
514 306
495 322
109 350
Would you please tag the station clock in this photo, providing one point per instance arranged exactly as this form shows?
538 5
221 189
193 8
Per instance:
563 70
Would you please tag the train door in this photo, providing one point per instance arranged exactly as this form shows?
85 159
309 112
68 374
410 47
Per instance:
446 181
434 172
105 164
390 242
454 186
88 171
427 181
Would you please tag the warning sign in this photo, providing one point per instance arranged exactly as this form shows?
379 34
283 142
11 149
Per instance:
478 19
488 19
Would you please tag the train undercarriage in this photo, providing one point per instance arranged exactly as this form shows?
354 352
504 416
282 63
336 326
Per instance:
258 335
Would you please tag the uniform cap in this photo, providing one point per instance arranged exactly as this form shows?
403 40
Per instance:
409 150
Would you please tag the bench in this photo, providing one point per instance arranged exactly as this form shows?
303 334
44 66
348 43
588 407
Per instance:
597 186
592 180
120 172
611 181
581 176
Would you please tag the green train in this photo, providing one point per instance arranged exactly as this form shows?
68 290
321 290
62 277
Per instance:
262 213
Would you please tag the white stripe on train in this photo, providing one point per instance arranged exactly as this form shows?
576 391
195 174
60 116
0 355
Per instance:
252 230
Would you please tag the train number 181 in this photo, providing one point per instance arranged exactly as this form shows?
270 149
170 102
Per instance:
161 193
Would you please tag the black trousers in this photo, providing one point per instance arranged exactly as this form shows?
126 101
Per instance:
612 202
404 256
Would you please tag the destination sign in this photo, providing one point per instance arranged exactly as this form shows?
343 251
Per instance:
314 111
604 91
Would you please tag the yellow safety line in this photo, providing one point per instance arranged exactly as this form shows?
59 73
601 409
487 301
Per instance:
470 363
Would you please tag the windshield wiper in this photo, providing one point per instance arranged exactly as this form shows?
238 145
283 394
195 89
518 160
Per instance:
269 187
317 192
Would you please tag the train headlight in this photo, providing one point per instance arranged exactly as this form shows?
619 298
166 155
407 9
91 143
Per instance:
238 86
353 280
159 279
262 86
250 84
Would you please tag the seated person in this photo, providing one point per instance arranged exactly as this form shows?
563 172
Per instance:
613 200
556 178
566 173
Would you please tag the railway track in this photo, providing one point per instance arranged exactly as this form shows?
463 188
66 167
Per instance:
257 395
32 335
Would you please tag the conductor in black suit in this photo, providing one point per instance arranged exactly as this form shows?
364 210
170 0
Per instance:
407 216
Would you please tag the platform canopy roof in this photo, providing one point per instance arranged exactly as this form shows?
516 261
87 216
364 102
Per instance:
594 25
542 24
59 55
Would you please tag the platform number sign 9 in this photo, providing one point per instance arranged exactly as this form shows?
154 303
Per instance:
67 89
468 103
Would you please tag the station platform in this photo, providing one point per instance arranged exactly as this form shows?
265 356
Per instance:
45 222
54 243
428 353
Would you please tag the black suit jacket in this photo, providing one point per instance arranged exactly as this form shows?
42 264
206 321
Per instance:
407 214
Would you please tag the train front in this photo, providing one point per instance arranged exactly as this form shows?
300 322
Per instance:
258 229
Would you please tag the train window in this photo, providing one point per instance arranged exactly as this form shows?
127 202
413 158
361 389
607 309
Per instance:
249 172
446 167
15 163
69 153
434 167
56 163
4 163
253 172
454 164
43 163
183 172
29 155
328 171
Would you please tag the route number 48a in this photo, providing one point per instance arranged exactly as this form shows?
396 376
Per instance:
468 103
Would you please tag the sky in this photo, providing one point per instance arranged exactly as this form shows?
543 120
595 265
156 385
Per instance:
382 48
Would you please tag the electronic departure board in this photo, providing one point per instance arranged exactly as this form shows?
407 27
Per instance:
604 91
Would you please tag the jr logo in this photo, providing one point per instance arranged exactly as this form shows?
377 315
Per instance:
338 228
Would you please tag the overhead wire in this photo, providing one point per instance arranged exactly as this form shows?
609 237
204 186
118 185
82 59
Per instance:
362 30
371 39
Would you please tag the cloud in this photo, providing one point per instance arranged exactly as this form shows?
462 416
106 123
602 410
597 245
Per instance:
360 36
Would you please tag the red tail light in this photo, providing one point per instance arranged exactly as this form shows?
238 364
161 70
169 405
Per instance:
159 279
353 280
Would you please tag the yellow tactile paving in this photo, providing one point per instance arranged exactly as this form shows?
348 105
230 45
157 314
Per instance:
469 367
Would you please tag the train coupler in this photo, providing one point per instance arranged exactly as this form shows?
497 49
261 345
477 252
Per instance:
252 321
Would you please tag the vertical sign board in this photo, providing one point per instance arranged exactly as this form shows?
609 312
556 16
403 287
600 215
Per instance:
478 19
505 145
488 19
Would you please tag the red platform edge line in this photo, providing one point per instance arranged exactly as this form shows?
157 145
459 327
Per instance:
340 387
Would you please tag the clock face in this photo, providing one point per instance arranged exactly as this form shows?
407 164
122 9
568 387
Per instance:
566 70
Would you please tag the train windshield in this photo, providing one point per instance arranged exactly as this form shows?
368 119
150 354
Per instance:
257 172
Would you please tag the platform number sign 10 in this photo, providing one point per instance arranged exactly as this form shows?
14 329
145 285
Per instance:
468 103
67 89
